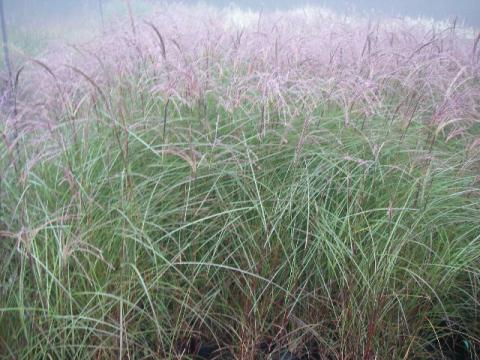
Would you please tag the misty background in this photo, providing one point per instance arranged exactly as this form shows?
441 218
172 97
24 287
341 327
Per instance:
35 25
467 11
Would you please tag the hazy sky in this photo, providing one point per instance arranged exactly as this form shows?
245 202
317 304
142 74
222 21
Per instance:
466 10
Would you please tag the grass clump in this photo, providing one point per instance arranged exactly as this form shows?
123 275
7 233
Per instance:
143 221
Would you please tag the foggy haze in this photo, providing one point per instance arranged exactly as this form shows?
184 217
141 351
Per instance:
467 11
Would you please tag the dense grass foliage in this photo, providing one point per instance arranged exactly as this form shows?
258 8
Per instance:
185 183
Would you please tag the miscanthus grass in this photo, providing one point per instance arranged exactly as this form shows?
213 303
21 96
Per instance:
143 214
